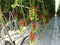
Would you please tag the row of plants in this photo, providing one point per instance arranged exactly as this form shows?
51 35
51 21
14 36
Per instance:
49 6
27 12
58 11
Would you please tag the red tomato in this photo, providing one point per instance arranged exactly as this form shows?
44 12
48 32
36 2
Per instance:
28 21
22 22
32 36
41 23
46 21
34 25
15 14
31 7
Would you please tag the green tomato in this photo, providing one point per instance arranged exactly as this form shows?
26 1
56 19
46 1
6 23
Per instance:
13 5
21 30
30 42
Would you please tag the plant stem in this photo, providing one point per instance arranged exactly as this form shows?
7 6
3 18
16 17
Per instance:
23 13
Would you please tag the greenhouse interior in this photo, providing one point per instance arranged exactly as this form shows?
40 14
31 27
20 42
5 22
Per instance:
29 22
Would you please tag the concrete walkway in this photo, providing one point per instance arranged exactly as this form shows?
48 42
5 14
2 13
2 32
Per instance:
56 34
51 33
